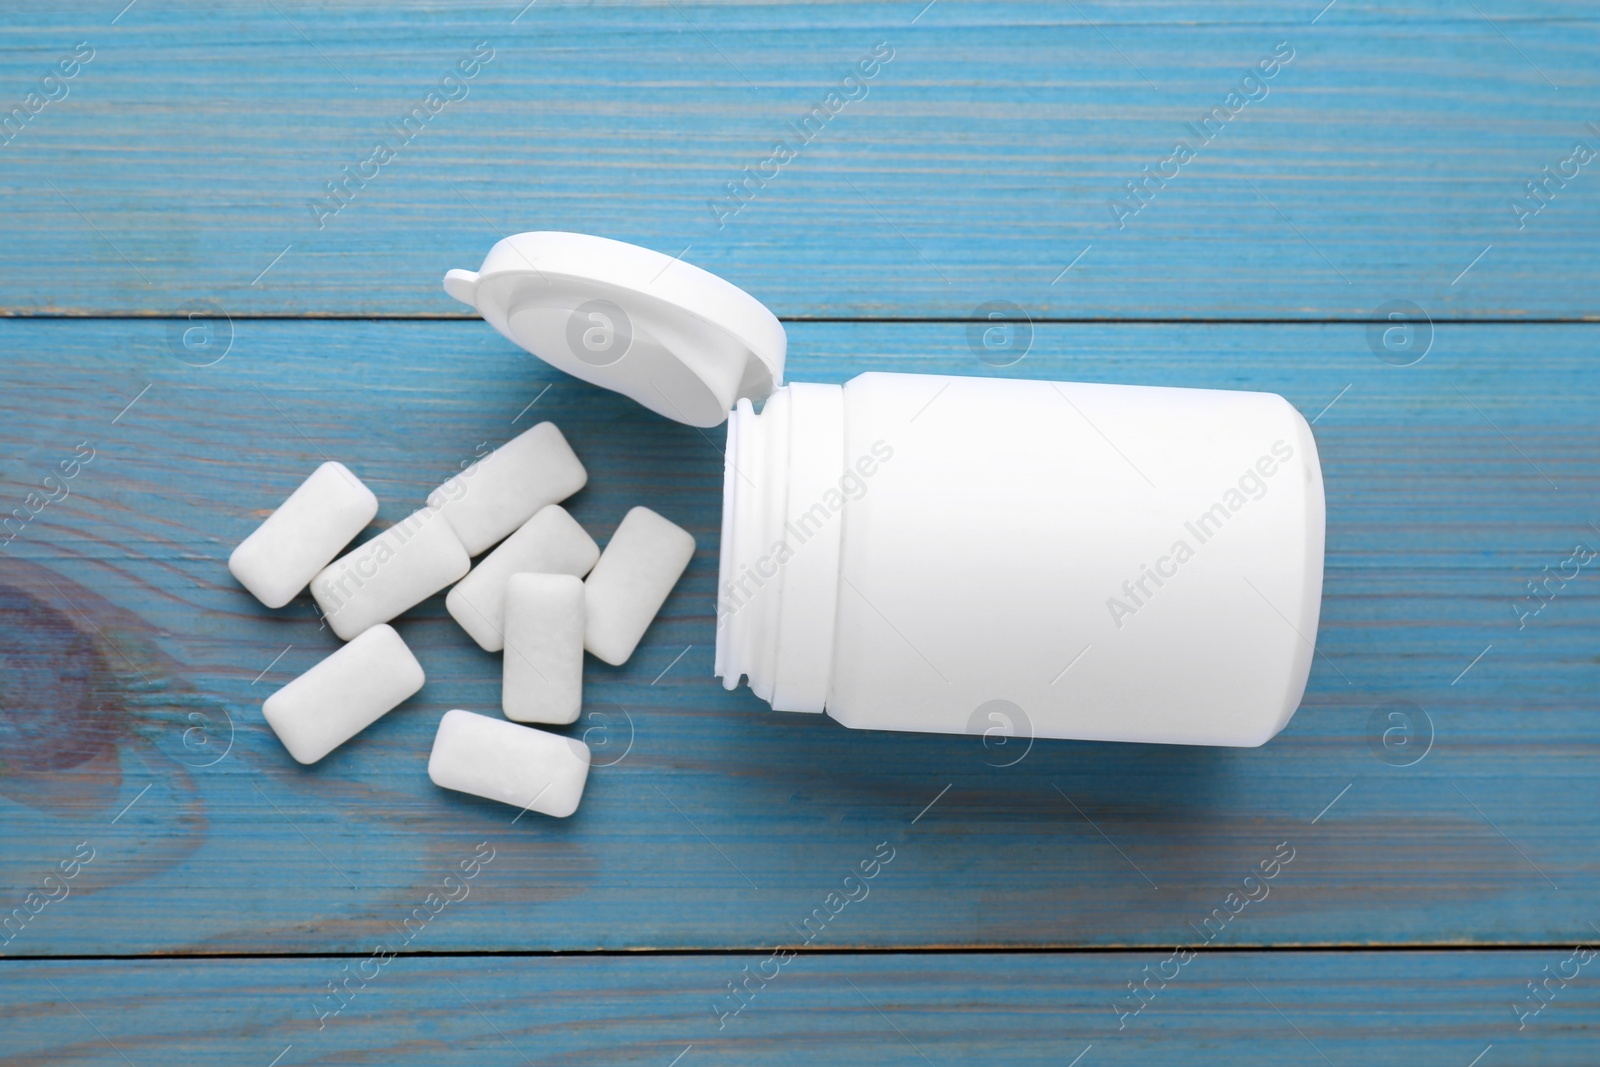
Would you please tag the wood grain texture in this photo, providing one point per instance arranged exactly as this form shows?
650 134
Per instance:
182 164
1408 1009
716 822
1438 787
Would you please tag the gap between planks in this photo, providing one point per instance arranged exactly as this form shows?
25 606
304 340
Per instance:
891 320
918 950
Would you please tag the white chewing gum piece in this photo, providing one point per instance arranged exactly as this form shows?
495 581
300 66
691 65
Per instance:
543 670
292 544
551 542
516 765
644 560
395 571
344 694
506 488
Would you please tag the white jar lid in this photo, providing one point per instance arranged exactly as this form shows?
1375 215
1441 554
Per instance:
681 341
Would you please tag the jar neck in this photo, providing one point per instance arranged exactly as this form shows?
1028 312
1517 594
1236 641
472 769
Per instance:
778 576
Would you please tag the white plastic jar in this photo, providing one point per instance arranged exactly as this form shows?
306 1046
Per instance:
930 553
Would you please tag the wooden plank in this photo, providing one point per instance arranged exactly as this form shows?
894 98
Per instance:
1236 1009
1381 163
131 658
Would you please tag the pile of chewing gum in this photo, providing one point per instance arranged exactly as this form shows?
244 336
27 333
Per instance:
542 597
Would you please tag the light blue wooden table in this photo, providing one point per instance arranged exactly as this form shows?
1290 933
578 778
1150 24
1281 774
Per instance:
191 306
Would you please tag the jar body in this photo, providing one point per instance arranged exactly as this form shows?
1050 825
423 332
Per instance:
1067 560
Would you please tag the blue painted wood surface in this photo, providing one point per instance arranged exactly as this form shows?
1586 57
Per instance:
979 163
1401 1009
1437 788
1436 524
